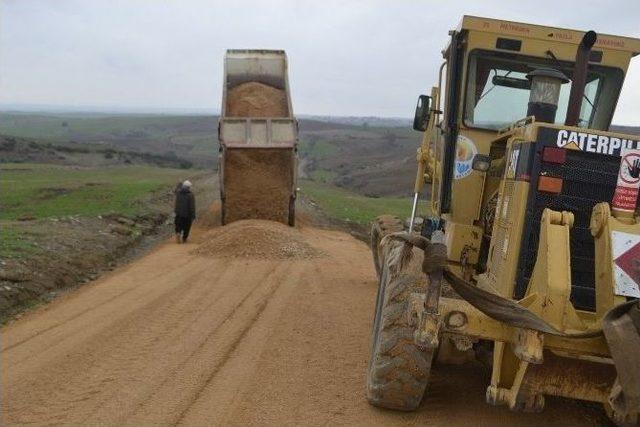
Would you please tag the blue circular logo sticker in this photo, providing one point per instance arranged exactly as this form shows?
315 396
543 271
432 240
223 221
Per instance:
465 151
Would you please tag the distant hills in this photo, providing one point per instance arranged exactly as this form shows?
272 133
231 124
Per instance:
631 130
361 121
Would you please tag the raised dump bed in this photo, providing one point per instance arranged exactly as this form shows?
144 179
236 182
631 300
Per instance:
258 138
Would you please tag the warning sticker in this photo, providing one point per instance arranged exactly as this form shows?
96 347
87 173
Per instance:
626 263
625 197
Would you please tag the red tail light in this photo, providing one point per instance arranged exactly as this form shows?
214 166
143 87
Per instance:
554 155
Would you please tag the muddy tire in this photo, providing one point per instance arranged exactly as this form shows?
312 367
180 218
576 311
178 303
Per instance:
398 370
380 227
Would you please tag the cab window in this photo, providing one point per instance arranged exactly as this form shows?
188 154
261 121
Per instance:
494 106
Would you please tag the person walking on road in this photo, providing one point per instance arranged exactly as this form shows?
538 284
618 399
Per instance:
185 210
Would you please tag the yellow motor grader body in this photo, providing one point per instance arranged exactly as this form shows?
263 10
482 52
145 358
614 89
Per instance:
522 228
519 353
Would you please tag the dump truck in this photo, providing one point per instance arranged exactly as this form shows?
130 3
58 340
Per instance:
258 138
530 256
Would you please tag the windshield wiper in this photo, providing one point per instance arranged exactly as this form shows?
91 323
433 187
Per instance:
493 85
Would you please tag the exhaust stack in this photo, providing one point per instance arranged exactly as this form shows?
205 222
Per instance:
579 78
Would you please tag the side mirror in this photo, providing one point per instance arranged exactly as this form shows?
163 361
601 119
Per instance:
423 111
481 163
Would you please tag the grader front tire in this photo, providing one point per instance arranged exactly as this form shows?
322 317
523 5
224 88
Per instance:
398 369
382 226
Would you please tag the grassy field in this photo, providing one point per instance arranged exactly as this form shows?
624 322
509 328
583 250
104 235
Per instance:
44 191
14 243
41 191
349 206
323 176
316 148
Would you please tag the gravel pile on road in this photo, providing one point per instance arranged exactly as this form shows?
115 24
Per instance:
254 99
256 239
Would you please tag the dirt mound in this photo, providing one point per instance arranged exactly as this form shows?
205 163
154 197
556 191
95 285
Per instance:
256 239
258 184
254 99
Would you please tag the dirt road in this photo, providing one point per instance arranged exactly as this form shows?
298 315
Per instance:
181 338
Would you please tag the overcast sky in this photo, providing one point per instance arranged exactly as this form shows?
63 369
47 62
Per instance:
345 57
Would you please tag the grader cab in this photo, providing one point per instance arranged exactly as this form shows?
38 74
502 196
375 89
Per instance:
532 246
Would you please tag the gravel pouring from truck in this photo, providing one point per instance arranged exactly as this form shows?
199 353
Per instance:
258 138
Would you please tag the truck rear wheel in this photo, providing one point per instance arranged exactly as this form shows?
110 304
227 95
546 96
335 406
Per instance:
398 369
380 227
223 212
292 211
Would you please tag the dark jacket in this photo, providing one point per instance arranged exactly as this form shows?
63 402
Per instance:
185 206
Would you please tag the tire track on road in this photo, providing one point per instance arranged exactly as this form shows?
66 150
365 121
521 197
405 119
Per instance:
230 377
96 361
187 382
92 308
172 373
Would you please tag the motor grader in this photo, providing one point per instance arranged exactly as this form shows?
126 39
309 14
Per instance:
530 255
